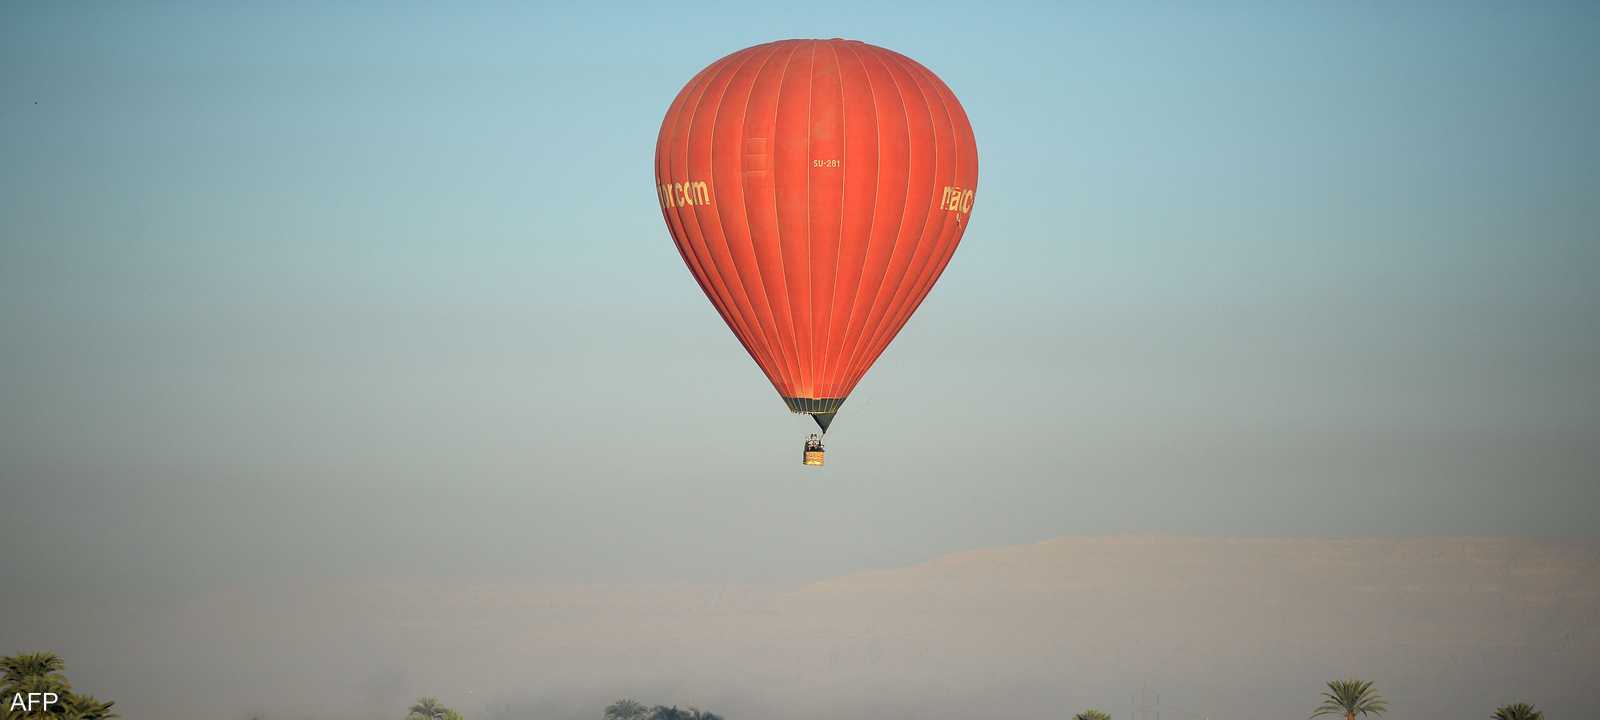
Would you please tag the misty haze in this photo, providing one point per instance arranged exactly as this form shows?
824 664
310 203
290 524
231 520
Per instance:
448 361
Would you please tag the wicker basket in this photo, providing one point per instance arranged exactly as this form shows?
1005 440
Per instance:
812 457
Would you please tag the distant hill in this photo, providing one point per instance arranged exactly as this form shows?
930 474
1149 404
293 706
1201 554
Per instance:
1219 628
1235 628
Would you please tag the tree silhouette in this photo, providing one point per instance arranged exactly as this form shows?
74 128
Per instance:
662 712
1519 711
88 707
43 672
429 708
1351 698
1092 714
626 709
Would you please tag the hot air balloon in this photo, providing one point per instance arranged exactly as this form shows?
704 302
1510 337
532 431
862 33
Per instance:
816 189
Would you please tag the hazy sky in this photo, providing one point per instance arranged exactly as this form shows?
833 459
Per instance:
311 290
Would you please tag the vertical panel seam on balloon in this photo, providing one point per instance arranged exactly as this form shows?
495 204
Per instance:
808 383
955 139
844 194
877 171
775 356
664 163
946 96
937 269
864 349
899 308
745 202
741 330
712 283
838 244
783 275
757 326
782 357
911 290
869 326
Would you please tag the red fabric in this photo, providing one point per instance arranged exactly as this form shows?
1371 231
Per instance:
816 189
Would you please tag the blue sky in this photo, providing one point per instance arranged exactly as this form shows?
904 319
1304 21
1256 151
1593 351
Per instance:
309 289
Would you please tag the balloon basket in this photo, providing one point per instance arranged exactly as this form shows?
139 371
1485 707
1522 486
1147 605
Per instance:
813 452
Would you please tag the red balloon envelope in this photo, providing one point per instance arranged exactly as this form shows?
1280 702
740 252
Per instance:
816 190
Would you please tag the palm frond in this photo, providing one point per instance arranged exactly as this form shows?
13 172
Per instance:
1518 711
1351 697
626 709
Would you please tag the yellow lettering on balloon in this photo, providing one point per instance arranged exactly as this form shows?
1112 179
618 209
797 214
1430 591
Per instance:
679 194
956 199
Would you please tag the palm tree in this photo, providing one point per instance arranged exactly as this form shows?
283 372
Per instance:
42 666
37 684
31 673
1092 714
43 673
88 707
626 709
40 663
1351 698
1519 711
427 708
